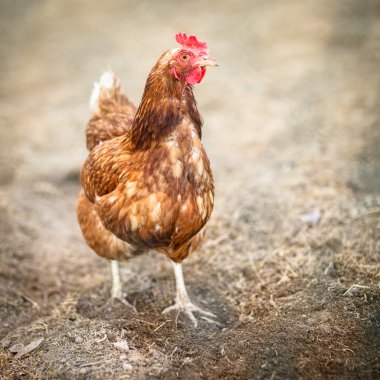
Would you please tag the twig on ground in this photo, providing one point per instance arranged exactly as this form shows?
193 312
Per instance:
157 328
355 286
98 362
368 213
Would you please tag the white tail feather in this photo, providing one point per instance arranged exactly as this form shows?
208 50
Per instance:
106 82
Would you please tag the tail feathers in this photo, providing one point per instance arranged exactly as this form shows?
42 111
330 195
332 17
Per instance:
112 111
108 87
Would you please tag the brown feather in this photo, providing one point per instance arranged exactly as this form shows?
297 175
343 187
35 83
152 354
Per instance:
101 240
152 186
113 118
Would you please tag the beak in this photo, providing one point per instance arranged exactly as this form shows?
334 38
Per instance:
207 61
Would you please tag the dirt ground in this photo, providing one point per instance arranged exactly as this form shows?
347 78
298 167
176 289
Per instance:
292 128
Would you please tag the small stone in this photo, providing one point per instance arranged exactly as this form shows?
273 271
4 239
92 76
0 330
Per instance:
354 291
331 270
122 345
6 343
127 366
246 318
311 217
78 340
16 348
83 371
29 348
122 357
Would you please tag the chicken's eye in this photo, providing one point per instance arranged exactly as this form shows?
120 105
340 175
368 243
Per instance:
184 57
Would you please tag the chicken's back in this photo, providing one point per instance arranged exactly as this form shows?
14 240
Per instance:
113 112
112 116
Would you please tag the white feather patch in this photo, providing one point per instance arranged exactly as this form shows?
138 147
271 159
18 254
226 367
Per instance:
106 82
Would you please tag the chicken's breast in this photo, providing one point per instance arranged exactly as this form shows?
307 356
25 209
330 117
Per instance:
159 197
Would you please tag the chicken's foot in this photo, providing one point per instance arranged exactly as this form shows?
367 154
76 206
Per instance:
117 292
183 302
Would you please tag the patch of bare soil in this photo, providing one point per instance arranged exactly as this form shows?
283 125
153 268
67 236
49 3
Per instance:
291 262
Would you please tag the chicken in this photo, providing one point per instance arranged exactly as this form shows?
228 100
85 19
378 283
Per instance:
147 182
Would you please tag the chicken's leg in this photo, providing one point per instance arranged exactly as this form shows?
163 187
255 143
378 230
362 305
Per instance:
117 293
116 283
182 300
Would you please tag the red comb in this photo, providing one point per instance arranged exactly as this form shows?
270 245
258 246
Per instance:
190 42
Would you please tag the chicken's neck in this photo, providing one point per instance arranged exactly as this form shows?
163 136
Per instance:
164 104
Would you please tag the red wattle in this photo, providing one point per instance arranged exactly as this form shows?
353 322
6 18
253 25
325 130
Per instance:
196 75
203 71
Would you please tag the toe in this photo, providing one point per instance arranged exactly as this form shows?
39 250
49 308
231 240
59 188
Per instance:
125 303
209 320
189 308
190 315
170 308
204 312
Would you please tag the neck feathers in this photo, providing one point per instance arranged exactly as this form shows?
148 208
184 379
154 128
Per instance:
165 102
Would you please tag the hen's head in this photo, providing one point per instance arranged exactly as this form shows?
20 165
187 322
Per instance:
188 64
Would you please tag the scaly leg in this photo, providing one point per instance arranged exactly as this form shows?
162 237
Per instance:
117 293
116 283
182 301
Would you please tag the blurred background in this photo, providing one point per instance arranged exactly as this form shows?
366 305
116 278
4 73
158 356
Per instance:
292 129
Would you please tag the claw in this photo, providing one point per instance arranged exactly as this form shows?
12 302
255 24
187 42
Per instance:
189 308
121 298
183 303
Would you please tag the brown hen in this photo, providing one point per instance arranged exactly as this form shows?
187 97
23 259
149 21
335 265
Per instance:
147 182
